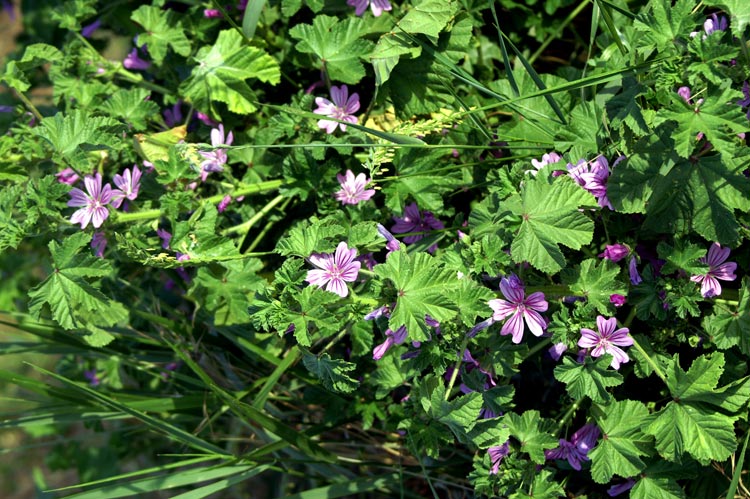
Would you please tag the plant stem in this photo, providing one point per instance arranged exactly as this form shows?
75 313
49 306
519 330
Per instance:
31 107
456 368
567 416
243 227
650 361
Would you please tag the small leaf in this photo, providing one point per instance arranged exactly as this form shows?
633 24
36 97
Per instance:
162 30
333 373
590 379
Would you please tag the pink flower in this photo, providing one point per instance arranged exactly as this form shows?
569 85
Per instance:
67 176
165 237
216 159
377 6
635 277
607 340
684 92
617 300
334 270
717 269
132 61
547 159
578 448
353 188
392 338
593 177
211 13
519 307
497 453
342 108
128 183
416 221
93 202
224 203
556 350
615 252
392 243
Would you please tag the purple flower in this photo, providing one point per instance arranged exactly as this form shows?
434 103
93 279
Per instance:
93 202
607 340
618 489
497 453
416 221
684 92
342 108
128 185
519 307
617 300
210 13
547 159
67 176
556 351
745 102
392 243
88 30
377 6
334 270
216 159
98 243
391 338
615 252
165 237
635 277
717 269
593 177
578 448
353 188
173 115
715 23
132 61
385 310
90 374
224 203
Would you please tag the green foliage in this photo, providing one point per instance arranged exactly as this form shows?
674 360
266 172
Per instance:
333 373
625 443
162 29
596 282
549 217
222 71
73 135
75 301
423 287
35 55
728 327
531 431
132 106
226 289
590 379
339 46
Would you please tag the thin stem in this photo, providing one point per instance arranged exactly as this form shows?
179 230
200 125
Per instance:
31 107
567 416
557 32
456 368
650 361
255 218
267 228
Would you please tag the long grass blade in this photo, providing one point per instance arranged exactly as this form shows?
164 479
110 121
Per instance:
349 488
251 17
504 51
738 467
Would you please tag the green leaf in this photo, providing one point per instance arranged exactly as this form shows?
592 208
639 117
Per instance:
423 286
739 14
488 432
73 134
162 30
70 13
623 108
683 256
197 238
460 414
34 55
549 217
338 44
225 290
719 118
311 236
544 486
690 423
623 443
333 373
74 301
596 281
656 488
532 433
428 17
728 327
221 73
664 25
590 379
133 106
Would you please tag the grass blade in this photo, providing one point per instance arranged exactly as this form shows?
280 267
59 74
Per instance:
251 17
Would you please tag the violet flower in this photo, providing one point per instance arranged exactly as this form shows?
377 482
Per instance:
88 30
497 453
132 61
129 183
617 300
377 6
165 237
90 374
211 13
173 115
593 177
224 203
618 489
8 7
547 159
334 270
392 243
353 188
578 448
416 221
342 108
607 340
98 244
519 307
67 176
684 92
615 252
392 338
745 101
93 202
216 159
712 24
635 277
556 351
718 268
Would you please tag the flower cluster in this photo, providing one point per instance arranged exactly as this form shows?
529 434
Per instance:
93 202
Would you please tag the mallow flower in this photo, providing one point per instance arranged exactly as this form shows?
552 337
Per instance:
519 308
377 6
416 221
576 450
718 268
335 270
353 188
391 338
608 339
128 185
215 159
93 202
342 108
